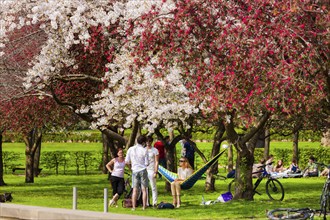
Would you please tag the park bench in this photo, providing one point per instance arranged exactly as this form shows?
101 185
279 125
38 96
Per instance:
22 168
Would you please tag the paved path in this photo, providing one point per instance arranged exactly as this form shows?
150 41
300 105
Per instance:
15 211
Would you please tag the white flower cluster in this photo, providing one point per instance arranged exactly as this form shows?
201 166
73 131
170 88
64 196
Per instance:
138 94
132 93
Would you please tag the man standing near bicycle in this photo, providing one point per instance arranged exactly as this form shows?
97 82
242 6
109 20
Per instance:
137 157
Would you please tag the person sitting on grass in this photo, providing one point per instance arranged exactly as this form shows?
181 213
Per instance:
294 168
184 171
279 168
311 168
325 172
257 168
269 164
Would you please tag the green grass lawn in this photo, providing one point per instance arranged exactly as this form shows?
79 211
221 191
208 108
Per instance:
56 191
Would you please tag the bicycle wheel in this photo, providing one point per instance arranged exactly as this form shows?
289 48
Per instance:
274 189
325 200
289 213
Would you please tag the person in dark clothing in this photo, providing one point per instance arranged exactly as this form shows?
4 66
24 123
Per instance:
188 151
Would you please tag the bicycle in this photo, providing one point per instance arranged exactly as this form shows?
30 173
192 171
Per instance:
304 213
128 192
325 195
274 189
291 213
127 185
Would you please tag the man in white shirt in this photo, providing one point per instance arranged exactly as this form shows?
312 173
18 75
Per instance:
137 157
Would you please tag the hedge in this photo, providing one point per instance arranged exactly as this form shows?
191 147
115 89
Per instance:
77 162
58 162
95 136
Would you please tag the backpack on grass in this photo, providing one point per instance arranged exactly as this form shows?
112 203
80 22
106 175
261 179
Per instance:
164 205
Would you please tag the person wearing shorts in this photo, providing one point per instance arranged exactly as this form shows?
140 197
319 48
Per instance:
137 157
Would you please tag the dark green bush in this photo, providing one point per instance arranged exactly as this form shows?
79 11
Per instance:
71 162
95 136
322 154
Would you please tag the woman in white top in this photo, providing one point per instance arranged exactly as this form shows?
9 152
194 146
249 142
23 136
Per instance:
152 169
269 164
184 171
116 167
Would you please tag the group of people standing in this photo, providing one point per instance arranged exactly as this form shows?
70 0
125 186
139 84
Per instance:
143 159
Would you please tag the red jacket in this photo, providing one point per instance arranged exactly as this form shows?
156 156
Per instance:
161 149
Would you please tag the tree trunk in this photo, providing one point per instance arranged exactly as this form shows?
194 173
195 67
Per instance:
245 145
29 172
230 158
31 142
295 155
134 133
325 140
2 182
170 158
36 161
105 152
112 140
120 140
210 180
244 186
267 143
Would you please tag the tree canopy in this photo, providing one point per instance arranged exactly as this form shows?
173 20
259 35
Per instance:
244 63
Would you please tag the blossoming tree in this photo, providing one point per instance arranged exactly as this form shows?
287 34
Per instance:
83 64
26 112
238 61
248 62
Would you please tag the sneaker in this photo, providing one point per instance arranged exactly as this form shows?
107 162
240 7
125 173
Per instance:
133 209
111 202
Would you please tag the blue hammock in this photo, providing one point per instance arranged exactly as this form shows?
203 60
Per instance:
191 180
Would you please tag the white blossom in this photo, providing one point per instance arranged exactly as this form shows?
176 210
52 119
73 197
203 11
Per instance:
132 93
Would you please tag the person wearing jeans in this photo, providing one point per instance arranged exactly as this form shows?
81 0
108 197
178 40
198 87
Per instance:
137 157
